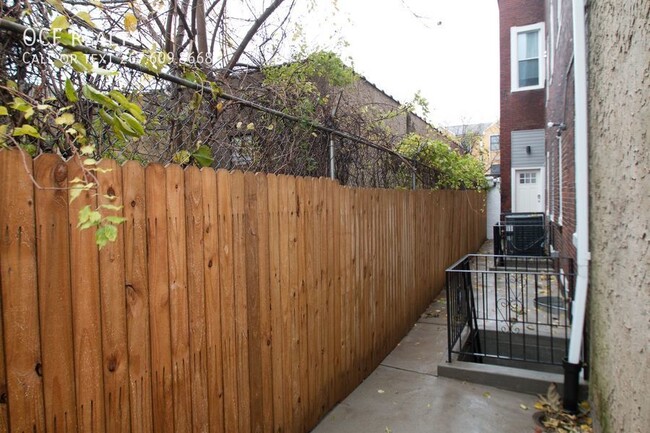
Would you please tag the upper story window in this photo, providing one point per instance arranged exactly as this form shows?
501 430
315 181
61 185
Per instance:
527 49
494 143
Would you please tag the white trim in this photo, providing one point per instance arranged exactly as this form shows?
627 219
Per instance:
514 60
513 184
559 23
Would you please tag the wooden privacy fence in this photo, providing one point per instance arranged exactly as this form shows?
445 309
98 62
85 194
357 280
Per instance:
229 302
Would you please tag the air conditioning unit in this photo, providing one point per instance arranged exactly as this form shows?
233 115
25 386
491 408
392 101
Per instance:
525 234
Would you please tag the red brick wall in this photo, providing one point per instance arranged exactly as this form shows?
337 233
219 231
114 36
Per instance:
519 110
561 108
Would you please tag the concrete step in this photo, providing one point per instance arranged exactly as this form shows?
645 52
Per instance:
508 378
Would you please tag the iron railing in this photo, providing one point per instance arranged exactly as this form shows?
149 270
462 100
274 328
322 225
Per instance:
512 314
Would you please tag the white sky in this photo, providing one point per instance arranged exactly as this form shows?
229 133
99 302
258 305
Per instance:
451 56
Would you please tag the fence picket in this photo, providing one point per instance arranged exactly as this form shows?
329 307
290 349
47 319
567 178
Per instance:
158 277
86 324
178 298
113 306
237 195
275 287
55 306
229 338
194 231
213 313
137 296
19 294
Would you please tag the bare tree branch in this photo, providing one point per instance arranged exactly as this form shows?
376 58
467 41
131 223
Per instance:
249 36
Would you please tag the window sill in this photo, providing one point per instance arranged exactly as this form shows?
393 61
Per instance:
525 89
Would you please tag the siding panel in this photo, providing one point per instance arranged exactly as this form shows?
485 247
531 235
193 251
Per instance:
533 138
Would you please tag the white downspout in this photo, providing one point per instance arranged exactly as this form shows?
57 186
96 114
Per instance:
572 365
581 236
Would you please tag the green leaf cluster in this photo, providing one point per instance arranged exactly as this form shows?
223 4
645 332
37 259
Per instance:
454 171
106 225
123 116
295 84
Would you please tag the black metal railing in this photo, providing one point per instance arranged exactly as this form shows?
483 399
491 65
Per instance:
513 314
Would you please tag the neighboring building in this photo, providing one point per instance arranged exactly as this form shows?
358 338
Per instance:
618 116
483 142
359 108
560 111
522 90
364 96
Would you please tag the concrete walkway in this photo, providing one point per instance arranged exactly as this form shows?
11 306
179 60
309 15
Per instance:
404 394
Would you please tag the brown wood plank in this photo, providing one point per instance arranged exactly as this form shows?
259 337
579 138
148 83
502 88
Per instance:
265 301
211 270
347 232
337 313
4 410
294 287
194 222
308 338
286 299
86 319
237 197
333 295
253 300
137 296
326 291
229 338
275 288
50 173
301 302
113 305
18 281
178 298
317 308
158 278
55 303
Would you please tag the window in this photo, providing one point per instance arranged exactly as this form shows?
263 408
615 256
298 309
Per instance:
495 169
528 177
527 49
494 143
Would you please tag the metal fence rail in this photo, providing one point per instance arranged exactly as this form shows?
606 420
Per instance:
515 312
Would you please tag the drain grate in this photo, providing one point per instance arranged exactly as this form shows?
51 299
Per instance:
551 303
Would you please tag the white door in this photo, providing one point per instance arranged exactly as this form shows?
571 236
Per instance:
528 191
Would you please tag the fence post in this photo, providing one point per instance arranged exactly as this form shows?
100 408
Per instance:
332 164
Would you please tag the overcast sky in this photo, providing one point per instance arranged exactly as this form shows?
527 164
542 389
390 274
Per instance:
446 49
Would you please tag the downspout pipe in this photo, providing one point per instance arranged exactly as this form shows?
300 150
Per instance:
572 364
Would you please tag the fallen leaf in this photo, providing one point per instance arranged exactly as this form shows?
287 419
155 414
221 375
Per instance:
487 395
523 406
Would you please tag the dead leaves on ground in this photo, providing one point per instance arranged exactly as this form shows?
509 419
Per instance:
557 420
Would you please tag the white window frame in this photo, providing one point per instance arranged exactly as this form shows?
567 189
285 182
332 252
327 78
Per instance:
514 60
499 144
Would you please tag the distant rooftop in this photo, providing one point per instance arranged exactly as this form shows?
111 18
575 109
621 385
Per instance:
476 128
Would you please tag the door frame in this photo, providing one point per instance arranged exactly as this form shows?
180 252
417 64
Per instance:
514 180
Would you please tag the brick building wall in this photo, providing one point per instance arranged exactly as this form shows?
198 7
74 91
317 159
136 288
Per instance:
560 107
523 109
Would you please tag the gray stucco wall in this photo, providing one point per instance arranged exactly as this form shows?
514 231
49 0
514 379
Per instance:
619 122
